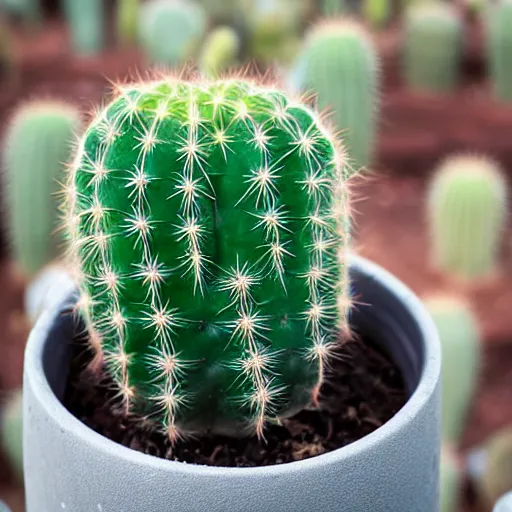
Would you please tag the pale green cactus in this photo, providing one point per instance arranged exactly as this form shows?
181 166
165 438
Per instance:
86 23
467 211
220 51
333 8
126 19
209 222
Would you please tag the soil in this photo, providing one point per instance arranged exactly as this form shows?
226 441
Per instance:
363 390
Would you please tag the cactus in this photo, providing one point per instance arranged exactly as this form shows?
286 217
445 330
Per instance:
497 476
499 48
377 12
36 147
29 10
11 432
171 30
460 348
467 212
86 21
451 481
432 47
219 52
127 16
209 223
332 8
339 64
504 503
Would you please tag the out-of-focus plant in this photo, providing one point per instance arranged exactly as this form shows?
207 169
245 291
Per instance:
220 52
86 23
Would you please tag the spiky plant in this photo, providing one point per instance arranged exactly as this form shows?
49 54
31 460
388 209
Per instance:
86 22
171 31
451 481
208 223
37 146
460 348
467 212
499 48
220 51
339 64
126 20
504 504
432 46
11 431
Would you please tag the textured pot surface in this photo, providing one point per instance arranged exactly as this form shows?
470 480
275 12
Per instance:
396 468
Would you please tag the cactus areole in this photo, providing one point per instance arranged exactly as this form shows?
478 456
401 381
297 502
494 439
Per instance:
208 223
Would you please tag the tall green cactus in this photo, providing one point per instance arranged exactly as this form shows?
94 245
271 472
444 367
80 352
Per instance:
432 50
37 145
451 481
171 30
209 223
499 48
467 213
86 22
220 51
11 432
339 64
460 348
126 19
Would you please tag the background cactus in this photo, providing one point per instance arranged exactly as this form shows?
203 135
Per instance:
332 8
36 147
127 17
451 481
86 23
433 35
209 225
11 432
467 213
220 51
339 64
499 48
504 504
461 353
377 12
171 31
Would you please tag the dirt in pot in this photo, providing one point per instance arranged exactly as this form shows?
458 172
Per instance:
363 390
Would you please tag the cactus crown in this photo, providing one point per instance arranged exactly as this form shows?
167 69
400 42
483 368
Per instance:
209 222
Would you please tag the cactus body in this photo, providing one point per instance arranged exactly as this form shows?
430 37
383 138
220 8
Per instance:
339 64
36 148
499 48
467 213
504 503
460 349
171 30
377 12
220 51
432 47
11 432
209 223
86 21
451 481
127 16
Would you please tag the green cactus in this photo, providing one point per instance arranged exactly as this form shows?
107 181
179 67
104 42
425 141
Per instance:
36 147
377 12
86 21
171 31
332 8
497 476
209 223
127 16
451 481
11 432
220 51
432 50
339 64
499 48
467 213
460 348
504 503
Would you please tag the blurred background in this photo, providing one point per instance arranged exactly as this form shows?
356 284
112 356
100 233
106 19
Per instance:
420 92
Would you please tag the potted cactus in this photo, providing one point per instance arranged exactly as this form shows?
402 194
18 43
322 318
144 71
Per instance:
209 226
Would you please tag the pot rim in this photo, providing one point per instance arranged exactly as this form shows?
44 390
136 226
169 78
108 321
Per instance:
34 371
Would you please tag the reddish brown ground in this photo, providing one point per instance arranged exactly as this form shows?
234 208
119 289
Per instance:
415 133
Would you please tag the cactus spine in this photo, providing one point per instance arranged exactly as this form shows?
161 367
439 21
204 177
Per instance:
127 15
499 48
11 432
339 64
467 212
460 349
209 223
451 481
86 24
432 47
36 147
504 503
171 30
220 51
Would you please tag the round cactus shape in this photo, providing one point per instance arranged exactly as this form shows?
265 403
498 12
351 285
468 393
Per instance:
209 222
